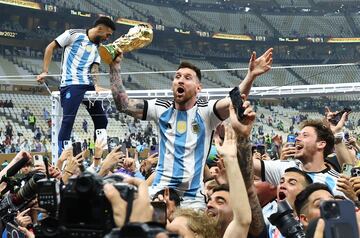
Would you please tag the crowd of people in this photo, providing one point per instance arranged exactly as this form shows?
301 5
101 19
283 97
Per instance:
202 177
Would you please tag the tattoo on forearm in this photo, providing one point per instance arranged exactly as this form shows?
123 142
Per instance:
246 167
245 161
118 89
257 218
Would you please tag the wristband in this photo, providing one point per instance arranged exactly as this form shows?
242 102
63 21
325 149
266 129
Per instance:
97 158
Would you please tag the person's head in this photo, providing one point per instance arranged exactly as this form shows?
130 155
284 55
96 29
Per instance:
209 185
219 207
102 29
314 140
27 168
292 182
191 223
186 85
307 202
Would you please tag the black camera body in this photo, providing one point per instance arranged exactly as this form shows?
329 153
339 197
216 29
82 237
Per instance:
84 210
139 230
285 221
49 195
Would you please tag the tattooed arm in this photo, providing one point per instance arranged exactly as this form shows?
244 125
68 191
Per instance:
132 107
243 130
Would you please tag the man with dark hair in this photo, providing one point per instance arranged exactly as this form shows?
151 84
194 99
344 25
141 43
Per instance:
80 60
186 125
314 142
291 184
307 202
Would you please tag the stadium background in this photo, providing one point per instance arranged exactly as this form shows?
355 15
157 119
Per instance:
306 36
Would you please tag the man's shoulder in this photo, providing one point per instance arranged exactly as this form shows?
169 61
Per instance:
202 102
77 31
162 103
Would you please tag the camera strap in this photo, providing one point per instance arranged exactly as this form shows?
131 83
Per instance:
130 198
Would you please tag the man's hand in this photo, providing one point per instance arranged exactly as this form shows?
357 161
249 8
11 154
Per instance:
23 219
111 159
221 177
355 181
41 77
100 145
244 127
141 210
259 66
344 185
339 126
287 151
73 163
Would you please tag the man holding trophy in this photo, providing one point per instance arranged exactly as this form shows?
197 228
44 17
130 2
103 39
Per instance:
80 60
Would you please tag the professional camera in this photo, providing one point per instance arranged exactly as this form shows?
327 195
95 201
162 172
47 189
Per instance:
11 202
284 220
84 209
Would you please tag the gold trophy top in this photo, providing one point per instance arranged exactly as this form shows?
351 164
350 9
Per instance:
137 37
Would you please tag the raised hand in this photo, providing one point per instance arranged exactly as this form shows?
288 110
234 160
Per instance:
259 66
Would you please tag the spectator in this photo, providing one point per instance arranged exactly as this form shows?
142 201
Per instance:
32 121
85 125
9 130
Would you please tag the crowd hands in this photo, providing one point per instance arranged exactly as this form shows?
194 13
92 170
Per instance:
235 197
241 188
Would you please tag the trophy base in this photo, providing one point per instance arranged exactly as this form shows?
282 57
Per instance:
105 55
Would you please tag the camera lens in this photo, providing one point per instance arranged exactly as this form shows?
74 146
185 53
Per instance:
331 210
84 184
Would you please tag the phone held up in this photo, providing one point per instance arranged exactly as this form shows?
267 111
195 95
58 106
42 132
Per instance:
340 219
237 102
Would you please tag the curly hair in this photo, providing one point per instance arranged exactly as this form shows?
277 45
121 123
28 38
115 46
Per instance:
323 133
200 223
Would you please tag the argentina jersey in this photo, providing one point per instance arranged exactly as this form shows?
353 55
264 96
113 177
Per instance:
184 143
273 170
79 55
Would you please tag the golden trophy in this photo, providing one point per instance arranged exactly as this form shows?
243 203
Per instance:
138 37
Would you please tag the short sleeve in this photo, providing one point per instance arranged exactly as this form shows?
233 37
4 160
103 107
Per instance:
64 39
150 112
214 117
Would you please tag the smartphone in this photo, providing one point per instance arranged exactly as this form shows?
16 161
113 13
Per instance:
237 103
260 149
76 148
340 219
159 214
335 120
101 134
291 138
38 160
346 135
112 143
355 172
346 169
67 144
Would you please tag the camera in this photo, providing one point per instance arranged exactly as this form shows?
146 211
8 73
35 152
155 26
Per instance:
284 220
84 210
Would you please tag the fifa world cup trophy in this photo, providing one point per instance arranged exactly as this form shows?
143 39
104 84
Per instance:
138 37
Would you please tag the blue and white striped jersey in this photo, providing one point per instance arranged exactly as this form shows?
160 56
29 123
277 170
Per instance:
184 143
273 170
79 55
